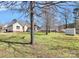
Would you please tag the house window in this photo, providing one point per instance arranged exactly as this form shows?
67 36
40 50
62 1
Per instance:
17 27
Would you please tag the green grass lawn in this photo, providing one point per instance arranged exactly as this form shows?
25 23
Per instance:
51 45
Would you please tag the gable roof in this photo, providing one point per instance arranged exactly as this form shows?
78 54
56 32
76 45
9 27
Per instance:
22 23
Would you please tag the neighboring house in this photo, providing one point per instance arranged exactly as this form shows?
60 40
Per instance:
61 28
17 26
77 26
0 28
52 28
72 25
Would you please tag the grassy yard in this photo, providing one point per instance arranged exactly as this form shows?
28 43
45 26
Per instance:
51 45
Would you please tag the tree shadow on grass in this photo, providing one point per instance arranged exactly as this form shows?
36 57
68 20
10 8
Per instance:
39 33
11 42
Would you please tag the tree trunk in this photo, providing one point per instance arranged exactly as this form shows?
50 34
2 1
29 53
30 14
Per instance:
32 22
66 19
66 23
46 18
46 29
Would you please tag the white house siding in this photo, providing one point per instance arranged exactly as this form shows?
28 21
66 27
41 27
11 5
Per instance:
10 28
25 28
15 29
35 28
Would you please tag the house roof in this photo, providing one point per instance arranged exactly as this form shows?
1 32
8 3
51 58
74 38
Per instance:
22 23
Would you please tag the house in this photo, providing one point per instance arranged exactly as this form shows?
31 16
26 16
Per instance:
0 28
61 28
52 28
77 26
17 26
71 25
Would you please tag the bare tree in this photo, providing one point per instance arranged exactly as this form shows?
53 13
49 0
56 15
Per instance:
25 6
28 9
32 21
46 18
66 17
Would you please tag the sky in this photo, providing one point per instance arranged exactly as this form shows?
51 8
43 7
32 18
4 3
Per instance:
8 15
